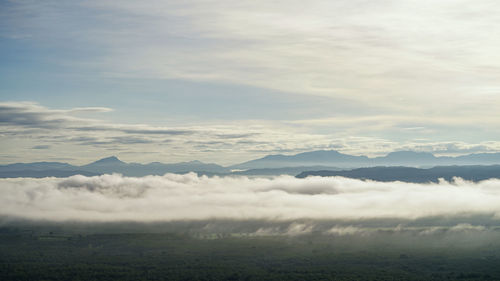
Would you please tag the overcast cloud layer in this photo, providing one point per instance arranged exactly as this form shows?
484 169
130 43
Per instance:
228 81
188 197
32 132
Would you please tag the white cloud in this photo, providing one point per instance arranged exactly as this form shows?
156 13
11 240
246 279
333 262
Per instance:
396 55
347 230
404 69
402 56
28 125
467 227
188 197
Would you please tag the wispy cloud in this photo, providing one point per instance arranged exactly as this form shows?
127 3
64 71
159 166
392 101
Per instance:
394 72
41 146
34 116
395 55
28 125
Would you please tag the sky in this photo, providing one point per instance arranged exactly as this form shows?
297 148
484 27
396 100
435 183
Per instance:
229 81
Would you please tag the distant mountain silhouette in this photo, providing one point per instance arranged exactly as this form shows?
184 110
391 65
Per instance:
415 175
313 158
282 171
113 160
407 158
268 165
337 159
106 165
36 166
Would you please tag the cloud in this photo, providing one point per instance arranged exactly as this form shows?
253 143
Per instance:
89 109
347 230
34 116
392 55
24 125
395 55
28 123
391 70
41 147
175 197
236 136
467 227
363 229
299 229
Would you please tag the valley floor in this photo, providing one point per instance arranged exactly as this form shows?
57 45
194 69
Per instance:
27 255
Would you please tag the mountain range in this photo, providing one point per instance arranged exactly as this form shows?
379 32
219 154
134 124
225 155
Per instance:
269 165
334 158
106 166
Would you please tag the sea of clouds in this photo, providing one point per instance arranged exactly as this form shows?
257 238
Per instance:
173 197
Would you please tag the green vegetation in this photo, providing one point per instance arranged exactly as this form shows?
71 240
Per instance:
28 255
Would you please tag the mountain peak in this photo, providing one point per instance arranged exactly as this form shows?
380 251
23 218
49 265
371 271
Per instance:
109 160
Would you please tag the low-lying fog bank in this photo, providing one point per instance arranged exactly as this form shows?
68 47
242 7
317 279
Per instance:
419 235
175 197
351 212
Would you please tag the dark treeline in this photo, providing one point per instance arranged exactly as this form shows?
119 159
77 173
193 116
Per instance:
414 175
222 250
